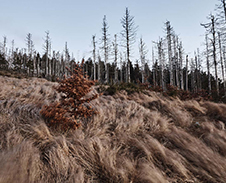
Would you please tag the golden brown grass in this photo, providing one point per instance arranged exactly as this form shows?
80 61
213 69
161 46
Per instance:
135 138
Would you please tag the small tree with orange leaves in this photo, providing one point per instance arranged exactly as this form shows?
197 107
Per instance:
73 104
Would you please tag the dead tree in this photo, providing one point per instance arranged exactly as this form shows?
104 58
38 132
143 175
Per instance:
30 50
38 64
4 48
193 83
211 28
180 50
186 74
12 54
195 65
208 64
99 68
66 59
224 57
4 53
129 37
143 53
175 60
58 65
47 48
161 63
221 61
169 42
115 47
94 59
106 47
199 65
153 66
121 65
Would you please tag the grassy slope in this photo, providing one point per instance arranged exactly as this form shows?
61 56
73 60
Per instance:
134 138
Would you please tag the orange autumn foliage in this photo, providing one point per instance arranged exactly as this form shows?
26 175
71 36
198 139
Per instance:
73 104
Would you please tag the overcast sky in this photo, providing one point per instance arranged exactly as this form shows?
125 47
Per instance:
75 21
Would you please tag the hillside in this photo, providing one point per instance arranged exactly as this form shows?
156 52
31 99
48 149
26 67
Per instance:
136 138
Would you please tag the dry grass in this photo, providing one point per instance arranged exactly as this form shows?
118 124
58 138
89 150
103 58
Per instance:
135 138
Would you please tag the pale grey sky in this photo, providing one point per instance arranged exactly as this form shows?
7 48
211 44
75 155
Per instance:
75 21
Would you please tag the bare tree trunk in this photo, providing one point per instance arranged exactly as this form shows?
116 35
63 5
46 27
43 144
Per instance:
53 66
99 68
193 84
224 57
58 64
4 46
116 58
199 76
196 73
181 67
221 61
143 53
47 49
34 65
94 58
153 67
224 7
121 65
214 53
187 72
161 61
37 65
208 65
169 34
176 64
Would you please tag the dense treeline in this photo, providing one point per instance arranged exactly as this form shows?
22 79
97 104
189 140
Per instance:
111 63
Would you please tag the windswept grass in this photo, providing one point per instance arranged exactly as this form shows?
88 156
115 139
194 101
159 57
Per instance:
135 138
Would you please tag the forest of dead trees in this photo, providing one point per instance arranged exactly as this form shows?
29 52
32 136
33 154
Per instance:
112 63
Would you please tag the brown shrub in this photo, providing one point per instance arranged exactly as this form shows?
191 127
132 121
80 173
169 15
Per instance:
72 105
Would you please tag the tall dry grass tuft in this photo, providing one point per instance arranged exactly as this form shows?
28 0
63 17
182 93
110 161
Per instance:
20 163
136 138
215 111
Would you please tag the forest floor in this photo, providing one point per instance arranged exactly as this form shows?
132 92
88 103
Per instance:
135 138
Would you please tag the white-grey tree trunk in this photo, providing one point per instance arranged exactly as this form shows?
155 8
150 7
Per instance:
169 34
187 72
221 61
94 58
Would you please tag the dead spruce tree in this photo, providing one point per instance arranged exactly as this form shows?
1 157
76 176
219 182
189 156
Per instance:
221 61
153 68
94 59
47 49
30 51
73 104
180 50
115 52
169 30
66 58
186 74
143 52
105 47
208 63
211 29
129 37
161 59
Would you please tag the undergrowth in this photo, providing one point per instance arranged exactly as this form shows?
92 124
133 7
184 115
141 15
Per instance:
137 138
171 91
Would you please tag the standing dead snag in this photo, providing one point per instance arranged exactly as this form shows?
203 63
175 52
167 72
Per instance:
73 103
